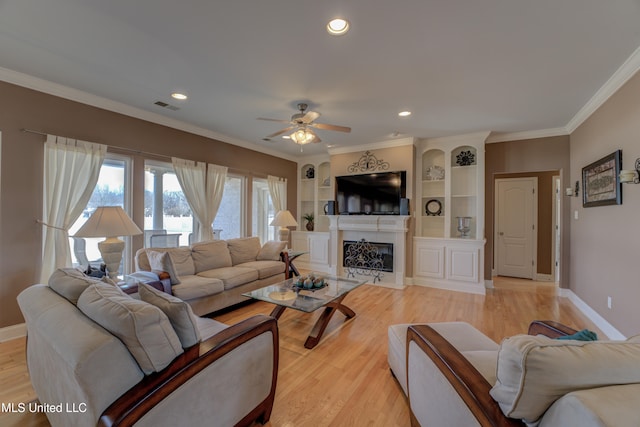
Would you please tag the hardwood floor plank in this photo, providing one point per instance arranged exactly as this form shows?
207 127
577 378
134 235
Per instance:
345 379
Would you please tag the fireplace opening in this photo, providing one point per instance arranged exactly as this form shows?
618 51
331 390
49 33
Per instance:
367 255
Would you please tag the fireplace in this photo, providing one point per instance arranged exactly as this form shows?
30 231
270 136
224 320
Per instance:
390 229
373 255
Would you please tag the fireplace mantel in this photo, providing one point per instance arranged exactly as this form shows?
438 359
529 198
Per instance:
374 228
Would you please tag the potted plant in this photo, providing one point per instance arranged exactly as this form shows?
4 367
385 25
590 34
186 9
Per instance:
309 218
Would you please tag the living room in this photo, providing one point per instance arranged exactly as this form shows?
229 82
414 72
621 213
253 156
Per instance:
597 274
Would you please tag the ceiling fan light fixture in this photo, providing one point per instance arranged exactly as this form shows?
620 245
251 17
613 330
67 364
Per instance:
338 26
302 136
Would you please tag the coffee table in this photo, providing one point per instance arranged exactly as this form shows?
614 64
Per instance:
286 295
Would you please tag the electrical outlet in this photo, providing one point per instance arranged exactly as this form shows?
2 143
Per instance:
609 302
575 214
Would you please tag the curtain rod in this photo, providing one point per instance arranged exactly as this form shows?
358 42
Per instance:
247 172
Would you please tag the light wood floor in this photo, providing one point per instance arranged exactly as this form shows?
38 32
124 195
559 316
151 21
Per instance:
345 380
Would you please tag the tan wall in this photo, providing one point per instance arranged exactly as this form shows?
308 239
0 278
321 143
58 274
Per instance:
528 157
22 159
400 159
604 240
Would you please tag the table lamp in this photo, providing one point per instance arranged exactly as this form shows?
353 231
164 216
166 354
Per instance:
110 222
283 220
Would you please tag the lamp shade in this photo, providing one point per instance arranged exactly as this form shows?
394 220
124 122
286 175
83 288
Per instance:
284 219
108 221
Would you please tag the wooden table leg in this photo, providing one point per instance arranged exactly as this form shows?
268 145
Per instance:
277 311
321 324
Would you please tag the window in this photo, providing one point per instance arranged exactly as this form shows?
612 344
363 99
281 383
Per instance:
229 221
168 220
262 211
112 189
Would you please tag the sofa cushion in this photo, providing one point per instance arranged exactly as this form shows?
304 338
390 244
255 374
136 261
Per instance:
209 327
142 327
615 405
70 283
265 268
161 261
193 287
210 254
179 313
534 371
244 249
271 250
232 276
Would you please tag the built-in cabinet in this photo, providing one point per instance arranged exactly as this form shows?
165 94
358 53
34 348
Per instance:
316 244
316 189
449 242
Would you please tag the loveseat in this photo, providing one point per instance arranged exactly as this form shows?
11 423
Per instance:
453 375
97 355
213 275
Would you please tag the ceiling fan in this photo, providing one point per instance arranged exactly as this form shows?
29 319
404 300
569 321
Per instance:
301 124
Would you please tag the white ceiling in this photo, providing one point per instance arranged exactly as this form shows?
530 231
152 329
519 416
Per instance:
460 65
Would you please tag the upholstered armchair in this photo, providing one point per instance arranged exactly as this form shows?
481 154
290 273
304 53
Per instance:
455 375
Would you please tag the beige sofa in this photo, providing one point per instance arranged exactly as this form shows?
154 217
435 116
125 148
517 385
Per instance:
213 275
97 355
455 375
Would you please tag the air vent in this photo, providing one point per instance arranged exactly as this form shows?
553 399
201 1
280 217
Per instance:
165 105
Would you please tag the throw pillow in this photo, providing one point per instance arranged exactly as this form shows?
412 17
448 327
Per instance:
142 327
70 283
534 371
271 250
583 335
161 261
179 313
182 261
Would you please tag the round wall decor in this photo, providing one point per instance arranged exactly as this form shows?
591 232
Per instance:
433 207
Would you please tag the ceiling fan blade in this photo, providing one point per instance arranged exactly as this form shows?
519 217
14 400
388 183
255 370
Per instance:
273 120
331 127
280 132
310 116
316 138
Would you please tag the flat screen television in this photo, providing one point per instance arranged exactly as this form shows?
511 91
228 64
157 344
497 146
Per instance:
371 194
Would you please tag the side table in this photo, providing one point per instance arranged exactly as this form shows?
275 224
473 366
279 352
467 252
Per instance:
288 257
131 287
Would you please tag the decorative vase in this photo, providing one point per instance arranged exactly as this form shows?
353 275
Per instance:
464 226
309 225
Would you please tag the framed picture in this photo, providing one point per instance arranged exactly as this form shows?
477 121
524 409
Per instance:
601 183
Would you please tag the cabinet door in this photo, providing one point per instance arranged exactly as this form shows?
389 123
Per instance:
319 250
429 261
462 264
300 242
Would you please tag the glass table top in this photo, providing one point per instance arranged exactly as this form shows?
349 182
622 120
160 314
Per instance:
287 294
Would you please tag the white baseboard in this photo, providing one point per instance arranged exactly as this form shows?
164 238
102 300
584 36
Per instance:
450 285
606 327
488 284
13 332
544 277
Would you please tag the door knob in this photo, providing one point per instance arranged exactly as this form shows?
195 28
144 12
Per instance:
501 233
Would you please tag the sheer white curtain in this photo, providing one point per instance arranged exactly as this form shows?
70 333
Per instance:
71 171
278 192
203 186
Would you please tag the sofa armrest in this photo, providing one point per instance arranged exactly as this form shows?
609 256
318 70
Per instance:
142 398
550 329
465 379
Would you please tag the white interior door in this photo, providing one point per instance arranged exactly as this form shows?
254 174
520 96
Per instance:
515 226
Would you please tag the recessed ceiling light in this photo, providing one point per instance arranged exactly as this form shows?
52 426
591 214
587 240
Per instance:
338 26
180 96
286 137
404 113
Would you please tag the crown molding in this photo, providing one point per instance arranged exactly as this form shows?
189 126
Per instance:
466 137
55 89
627 70
373 146
531 134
